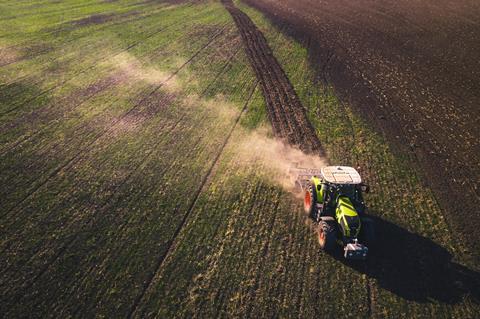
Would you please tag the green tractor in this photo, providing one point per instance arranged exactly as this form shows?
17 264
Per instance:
333 199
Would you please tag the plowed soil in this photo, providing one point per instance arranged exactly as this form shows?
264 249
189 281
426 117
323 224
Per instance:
411 69
285 112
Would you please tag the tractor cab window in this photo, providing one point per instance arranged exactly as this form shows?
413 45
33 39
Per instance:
347 190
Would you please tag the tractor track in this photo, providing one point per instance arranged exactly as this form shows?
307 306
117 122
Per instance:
78 155
262 257
196 195
285 112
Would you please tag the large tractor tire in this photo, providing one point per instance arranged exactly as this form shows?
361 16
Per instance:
368 232
327 235
310 202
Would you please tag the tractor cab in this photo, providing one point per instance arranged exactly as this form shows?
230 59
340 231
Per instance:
334 201
337 185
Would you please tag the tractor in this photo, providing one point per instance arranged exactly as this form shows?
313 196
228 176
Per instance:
333 199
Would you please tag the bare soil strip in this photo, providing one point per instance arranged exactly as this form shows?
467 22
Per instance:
285 112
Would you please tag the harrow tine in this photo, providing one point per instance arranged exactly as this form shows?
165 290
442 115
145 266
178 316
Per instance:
300 177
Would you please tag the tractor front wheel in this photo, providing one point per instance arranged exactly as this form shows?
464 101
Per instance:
326 235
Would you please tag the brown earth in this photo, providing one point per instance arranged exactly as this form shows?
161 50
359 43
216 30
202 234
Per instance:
411 69
439 278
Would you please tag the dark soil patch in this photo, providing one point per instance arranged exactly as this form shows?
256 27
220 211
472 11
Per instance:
102 18
67 104
412 71
13 54
94 19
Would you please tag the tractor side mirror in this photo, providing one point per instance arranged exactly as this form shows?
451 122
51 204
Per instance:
365 188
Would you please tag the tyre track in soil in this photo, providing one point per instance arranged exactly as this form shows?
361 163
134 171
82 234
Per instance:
91 67
196 196
109 129
285 112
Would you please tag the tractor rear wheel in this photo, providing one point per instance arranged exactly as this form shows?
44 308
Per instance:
327 236
310 202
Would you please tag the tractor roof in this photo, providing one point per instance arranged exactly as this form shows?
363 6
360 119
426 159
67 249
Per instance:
341 175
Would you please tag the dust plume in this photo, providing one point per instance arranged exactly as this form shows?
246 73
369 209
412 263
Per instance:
276 157
136 70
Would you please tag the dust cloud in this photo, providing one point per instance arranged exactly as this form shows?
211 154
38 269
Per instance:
134 69
277 158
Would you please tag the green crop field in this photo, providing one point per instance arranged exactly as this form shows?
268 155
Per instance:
139 177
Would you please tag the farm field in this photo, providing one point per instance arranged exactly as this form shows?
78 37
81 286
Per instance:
143 155
411 69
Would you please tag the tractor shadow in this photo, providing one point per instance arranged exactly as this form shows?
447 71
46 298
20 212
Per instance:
415 268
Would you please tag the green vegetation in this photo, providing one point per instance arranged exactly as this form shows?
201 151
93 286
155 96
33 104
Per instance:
123 192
